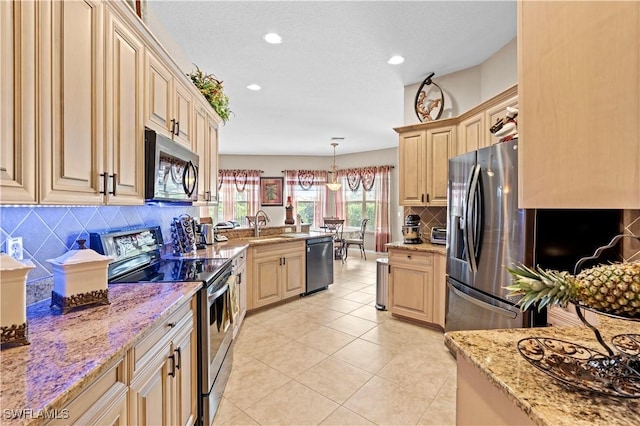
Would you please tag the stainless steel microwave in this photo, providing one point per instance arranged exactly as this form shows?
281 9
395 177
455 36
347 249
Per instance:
171 170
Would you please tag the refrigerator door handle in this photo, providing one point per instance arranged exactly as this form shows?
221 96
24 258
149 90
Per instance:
484 305
470 212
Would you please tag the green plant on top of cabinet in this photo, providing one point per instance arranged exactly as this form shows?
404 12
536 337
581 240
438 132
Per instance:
579 119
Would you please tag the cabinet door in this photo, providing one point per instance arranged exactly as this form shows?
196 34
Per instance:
150 402
495 113
440 147
293 277
439 288
200 142
17 103
410 292
471 133
411 161
71 102
579 115
212 194
124 112
182 113
186 390
266 281
158 95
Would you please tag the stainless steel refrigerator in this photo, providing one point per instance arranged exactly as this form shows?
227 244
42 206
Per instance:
486 232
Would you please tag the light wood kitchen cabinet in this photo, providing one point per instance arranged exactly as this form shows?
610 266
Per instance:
276 272
103 402
17 104
71 102
411 159
414 290
124 112
441 145
579 121
496 112
567 317
163 387
169 104
206 146
471 133
240 271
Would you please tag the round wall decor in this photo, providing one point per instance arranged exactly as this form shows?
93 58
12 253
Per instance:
429 101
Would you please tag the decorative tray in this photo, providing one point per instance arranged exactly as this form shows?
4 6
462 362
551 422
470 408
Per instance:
587 369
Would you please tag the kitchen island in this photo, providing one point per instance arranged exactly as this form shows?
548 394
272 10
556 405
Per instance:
497 385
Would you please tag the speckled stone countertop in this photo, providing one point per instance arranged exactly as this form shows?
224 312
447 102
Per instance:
69 351
427 247
545 400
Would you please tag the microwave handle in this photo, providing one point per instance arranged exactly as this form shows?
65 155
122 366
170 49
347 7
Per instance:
190 169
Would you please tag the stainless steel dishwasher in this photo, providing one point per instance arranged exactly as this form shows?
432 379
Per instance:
319 264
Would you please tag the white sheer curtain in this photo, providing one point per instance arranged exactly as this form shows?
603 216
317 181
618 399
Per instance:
382 232
308 186
231 182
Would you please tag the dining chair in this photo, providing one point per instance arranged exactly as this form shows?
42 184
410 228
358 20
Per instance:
359 240
338 242
252 219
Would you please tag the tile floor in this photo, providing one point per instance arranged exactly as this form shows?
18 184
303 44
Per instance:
333 359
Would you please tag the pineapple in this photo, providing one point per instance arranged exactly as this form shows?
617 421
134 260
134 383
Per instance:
612 288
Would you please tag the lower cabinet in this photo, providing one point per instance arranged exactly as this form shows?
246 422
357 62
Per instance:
416 285
275 272
567 317
163 388
240 271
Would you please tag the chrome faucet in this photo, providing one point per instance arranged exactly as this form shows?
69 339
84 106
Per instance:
256 228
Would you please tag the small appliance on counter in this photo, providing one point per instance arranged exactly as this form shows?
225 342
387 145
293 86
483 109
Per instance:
411 229
13 307
439 236
79 278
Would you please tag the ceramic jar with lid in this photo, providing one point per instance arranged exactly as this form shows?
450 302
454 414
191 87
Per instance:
13 299
79 278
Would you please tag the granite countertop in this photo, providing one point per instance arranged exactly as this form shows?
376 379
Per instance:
544 399
69 351
427 247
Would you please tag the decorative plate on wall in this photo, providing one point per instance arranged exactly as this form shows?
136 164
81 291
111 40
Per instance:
429 101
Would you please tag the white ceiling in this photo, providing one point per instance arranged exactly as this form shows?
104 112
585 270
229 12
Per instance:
329 77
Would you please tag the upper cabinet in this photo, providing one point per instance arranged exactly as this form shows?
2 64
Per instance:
80 81
579 121
441 145
411 158
206 146
169 103
17 104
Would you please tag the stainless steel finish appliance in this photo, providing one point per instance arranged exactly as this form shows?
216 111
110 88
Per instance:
486 232
171 170
137 260
438 235
319 264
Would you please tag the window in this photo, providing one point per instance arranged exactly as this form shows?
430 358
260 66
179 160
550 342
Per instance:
308 194
359 204
239 195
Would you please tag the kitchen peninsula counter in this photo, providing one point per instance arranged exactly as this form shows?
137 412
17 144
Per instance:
492 356
67 352
424 247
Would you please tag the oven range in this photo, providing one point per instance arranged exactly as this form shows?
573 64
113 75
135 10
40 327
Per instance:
137 260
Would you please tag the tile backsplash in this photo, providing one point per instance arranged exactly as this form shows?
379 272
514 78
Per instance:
49 232
430 217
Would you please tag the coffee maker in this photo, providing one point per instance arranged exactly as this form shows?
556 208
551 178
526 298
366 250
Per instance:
411 229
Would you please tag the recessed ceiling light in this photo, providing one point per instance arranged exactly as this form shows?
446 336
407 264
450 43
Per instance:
254 87
273 38
395 60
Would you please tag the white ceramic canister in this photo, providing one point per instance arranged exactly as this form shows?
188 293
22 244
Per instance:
13 295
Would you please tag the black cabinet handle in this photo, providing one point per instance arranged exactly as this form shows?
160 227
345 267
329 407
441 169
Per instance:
173 128
177 128
422 198
179 352
172 372
171 324
427 197
105 183
114 181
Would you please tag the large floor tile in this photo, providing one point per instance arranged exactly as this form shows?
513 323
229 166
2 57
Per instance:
366 355
252 381
385 403
360 296
317 313
335 379
370 313
292 404
225 412
292 358
291 325
255 341
416 374
345 417
352 325
326 340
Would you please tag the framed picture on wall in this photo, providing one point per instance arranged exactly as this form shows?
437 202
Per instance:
271 191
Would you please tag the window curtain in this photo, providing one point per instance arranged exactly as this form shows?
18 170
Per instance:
309 180
338 196
233 181
382 232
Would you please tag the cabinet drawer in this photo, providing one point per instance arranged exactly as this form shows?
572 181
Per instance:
278 248
410 258
161 335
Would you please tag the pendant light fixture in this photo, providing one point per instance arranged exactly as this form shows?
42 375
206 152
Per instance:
334 185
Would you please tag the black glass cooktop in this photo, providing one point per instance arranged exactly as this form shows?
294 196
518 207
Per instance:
204 270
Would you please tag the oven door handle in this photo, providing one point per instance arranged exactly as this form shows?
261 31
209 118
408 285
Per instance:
217 293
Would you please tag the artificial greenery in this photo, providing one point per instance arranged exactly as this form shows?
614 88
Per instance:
212 89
